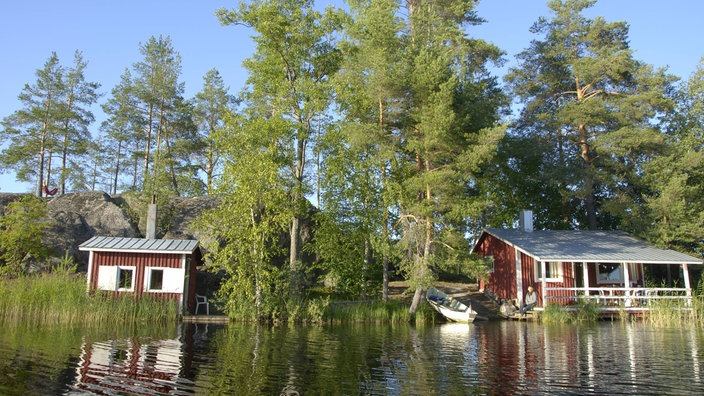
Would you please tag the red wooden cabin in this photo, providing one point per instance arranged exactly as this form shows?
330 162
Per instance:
563 266
158 268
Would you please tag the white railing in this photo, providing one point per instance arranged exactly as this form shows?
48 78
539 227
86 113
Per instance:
630 297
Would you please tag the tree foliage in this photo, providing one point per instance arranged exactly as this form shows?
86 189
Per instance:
289 88
255 212
676 178
409 148
584 93
22 225
53 122
211 106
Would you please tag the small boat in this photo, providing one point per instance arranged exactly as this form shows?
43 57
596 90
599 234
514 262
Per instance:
449 307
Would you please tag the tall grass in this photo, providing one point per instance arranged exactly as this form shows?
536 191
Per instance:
676 313
61 299
392 312
584 312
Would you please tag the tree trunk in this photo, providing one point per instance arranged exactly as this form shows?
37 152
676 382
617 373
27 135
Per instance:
64 159
385 281
298 172
147 147
117 166
423 264
366 263
588 178
293 254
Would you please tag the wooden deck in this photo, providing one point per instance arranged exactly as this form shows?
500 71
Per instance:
530 315
616 298
216 319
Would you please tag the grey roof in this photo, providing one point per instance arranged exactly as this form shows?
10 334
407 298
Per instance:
141 245
589 246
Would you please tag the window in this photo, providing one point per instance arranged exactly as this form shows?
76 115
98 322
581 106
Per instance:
156 279
609 273
125 278
553 271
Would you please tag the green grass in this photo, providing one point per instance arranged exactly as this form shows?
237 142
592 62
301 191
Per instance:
62 299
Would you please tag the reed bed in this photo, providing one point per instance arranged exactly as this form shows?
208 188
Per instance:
585 312
51 299
392 312
676 313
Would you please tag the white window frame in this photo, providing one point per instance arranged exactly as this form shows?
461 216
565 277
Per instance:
172 282
556 268
609 281
117 277
148 279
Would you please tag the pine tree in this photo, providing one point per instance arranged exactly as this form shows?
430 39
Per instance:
676 178
211 106
74 138
583 91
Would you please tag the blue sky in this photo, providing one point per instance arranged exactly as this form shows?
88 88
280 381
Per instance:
109 34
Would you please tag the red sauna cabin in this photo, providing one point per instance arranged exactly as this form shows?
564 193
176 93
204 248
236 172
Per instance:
158 268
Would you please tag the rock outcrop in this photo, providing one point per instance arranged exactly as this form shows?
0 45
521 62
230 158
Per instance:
77 217
80 216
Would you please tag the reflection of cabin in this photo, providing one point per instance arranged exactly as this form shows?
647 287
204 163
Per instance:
131 367
606 267
158 268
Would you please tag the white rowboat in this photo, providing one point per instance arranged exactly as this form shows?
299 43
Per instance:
448 307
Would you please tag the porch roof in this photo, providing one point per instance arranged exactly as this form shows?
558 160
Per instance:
589 246
139 245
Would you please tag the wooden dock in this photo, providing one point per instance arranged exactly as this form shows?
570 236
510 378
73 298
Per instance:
205 319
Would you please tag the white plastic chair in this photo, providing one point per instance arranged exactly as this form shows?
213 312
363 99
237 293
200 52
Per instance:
202 300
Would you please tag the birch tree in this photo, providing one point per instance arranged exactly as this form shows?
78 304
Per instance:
289 86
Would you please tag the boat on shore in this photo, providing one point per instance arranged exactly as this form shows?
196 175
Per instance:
449 307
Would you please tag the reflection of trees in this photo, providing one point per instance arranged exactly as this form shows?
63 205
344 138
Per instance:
341 360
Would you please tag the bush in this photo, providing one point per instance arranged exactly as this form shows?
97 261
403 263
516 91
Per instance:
21 229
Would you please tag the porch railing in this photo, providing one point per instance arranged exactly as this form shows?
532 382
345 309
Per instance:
629 297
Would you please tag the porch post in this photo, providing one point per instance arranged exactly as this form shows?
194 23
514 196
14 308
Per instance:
626 276
519 277
90 271
585 275
685 274
542 274
185 293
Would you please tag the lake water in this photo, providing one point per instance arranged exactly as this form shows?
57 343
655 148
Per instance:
485 358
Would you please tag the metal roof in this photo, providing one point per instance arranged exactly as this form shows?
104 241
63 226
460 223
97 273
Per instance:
140 245
589 246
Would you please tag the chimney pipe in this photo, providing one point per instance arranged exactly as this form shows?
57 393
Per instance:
151 221
525 220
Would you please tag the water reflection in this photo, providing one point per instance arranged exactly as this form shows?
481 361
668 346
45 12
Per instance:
492 358
139 365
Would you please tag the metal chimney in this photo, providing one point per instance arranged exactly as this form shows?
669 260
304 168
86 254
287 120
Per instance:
151 221
525 220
